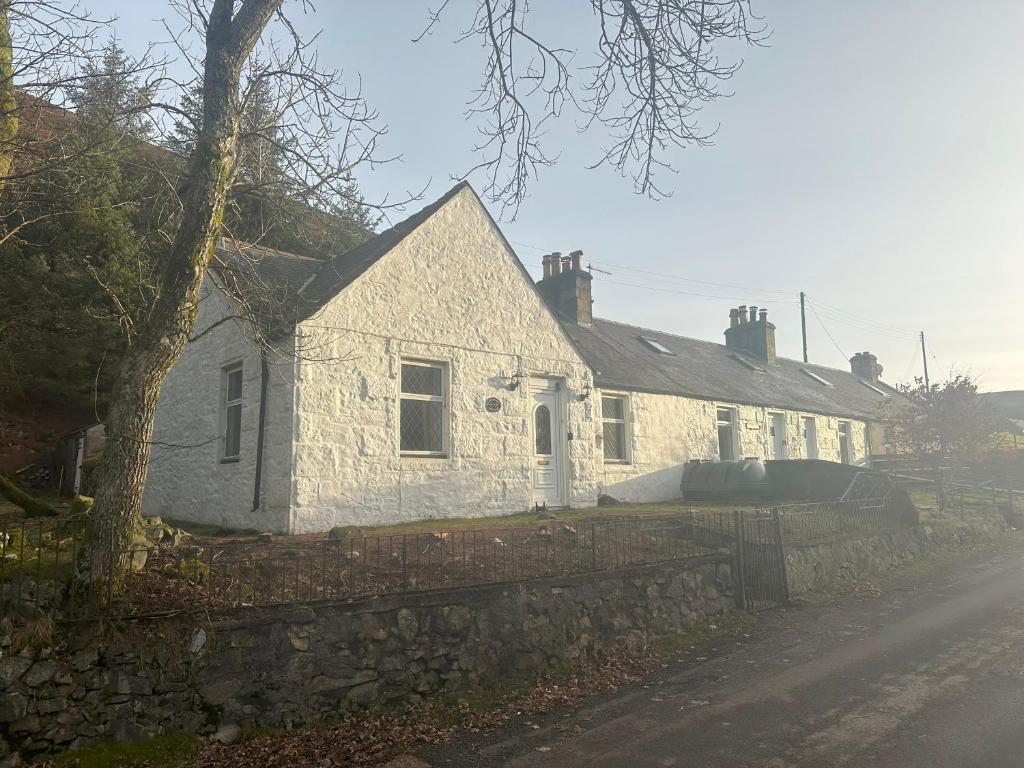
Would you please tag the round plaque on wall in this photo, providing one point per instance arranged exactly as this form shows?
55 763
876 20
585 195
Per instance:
493 405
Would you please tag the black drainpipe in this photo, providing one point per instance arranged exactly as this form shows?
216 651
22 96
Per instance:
264 379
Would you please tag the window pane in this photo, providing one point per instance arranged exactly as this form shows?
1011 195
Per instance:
542 430
724 414
725 444
421 380
232 431
614 441
421 426
613 407
234 390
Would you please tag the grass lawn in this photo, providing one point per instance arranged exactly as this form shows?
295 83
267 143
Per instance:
502 521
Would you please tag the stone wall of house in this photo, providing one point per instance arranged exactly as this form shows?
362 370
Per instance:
294 666
452 293
833 564
187 479
666 431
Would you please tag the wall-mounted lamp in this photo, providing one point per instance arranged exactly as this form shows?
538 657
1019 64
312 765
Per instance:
585 392
515 380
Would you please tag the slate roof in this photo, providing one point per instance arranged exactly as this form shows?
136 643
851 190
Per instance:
265 279
709 371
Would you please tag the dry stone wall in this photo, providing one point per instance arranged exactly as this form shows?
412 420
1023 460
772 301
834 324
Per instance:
295 666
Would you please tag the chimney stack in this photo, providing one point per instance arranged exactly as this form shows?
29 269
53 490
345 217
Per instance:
566 288
750 332
865 366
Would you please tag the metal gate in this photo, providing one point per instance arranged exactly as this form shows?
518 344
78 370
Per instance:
760 560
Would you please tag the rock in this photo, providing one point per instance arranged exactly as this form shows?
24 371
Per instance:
13 706
84 659
198 641
41 672
299 642
133 685
362 695
265 538
12 668
344 533
408 625
604 500
227 733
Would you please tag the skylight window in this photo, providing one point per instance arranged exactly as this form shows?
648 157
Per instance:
749 363
817 378
657 346
879 390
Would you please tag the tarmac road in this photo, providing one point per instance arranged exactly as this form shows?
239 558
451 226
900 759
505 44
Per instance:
931 674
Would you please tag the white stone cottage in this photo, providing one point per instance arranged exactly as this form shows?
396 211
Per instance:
424 374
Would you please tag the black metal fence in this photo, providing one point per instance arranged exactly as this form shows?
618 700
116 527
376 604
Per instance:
41 561
809 523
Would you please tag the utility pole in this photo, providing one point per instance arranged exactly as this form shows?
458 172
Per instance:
924 356
803 321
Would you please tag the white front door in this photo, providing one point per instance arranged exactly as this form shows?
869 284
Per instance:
777 431
810 438
547 429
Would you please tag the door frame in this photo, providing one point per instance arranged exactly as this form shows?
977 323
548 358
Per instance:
783 438
559 437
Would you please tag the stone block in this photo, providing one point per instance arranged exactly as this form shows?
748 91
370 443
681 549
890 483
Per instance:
12 668
40 672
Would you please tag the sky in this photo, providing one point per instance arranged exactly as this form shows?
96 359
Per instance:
870 155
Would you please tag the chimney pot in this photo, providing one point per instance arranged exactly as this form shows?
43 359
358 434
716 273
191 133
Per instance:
556 263
743 313
547 264
734 317
577 261
753 313
763 315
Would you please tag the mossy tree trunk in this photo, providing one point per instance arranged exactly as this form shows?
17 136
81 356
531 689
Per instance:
30 505
8 102
230 39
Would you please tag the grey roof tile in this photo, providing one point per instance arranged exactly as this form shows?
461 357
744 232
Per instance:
709 371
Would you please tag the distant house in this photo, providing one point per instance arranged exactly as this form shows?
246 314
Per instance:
1009 407
425 374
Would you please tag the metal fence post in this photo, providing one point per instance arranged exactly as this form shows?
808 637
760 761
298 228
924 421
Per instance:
740 560
777 519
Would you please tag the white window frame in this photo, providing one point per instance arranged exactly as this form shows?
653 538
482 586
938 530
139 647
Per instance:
226 405
847 442
734 418
443 399
625 421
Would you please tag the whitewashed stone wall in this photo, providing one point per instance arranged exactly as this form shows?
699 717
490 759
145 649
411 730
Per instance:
192 483
665 432
451 292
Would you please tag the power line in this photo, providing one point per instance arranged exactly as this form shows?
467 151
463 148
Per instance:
834 342
828 308
681 292
665 275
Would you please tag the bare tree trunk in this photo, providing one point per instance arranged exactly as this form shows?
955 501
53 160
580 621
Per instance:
8 103
230 39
